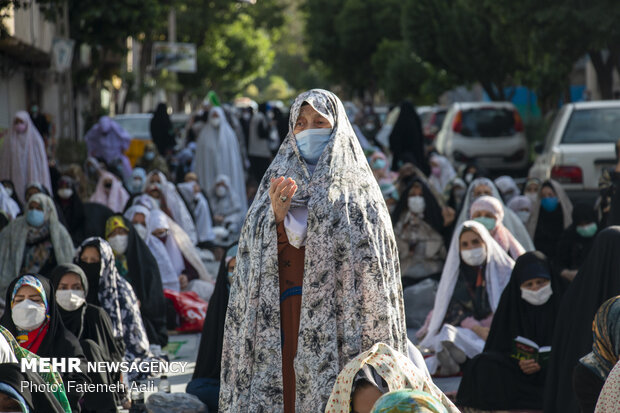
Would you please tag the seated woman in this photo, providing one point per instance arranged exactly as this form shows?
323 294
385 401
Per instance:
92 326
110 192
475 273
489 212
185 266
454 194
226 205
576 241
35 242
419 229
9 186
8 204
199 208
551 215
138 180
109 290
531 189
379 370
442 172
522 206
32 317
496 379
483 186
507 187
152 160
136 264
205 382
593 369
171 203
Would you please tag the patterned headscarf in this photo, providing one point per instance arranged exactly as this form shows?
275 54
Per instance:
350 257
112 223
408 401
33 282
606 334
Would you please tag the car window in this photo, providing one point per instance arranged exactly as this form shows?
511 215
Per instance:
439 117
600 125
135 126
488 123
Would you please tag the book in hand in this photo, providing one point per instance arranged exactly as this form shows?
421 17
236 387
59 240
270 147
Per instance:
526 349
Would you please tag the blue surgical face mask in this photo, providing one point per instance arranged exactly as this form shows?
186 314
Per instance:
378 164
311 143
35 218
488 223
549 204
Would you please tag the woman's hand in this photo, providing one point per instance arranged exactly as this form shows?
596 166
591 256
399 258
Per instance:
569 274
529 366
448 215
281 192
482 332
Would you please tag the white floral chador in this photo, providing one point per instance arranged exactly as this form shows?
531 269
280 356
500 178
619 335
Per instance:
351 295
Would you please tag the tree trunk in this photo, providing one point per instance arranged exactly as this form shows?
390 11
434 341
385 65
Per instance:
604 72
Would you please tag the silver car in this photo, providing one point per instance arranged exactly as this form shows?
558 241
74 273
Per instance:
489 133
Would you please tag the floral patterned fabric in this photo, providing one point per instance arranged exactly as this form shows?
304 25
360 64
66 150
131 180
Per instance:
609 399
408 401
352 295
397 371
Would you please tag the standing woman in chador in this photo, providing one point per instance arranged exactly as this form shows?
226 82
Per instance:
317 280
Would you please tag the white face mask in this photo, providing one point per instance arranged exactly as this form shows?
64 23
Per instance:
538 297
474 257
70 300
28 315
141 230
533 196
119 243
416 204
215 122
524 216
220 191
65 193
469 177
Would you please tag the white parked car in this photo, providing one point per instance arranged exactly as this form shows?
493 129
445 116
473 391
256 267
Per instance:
489 133
579 144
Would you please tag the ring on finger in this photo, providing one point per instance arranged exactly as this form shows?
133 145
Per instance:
283 198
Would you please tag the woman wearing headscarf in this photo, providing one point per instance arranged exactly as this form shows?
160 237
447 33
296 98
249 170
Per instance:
377 371
15 398
551 215
170 201
522 206
185 264
92 326
419 229
407 140
162 131
138 181
442 172
324 232
592 370
608 399
489 212
576 241
32 317
8 205
596 282
11 192
35 242
110 192
532 188
198 206
454 194
108 290
507 187
152 160
205 382
109 141
475 273
23 157
136 264
483 186
226 205
495 380
404 401
217 153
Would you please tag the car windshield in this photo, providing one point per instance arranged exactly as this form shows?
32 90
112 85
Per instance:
601 125
137 127
488 123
